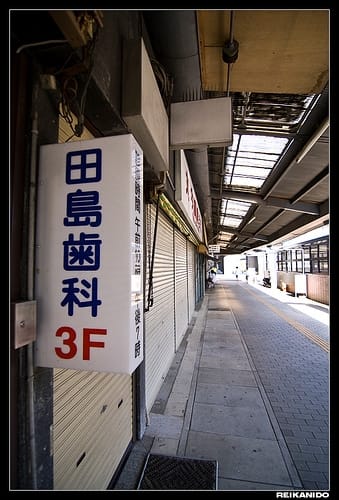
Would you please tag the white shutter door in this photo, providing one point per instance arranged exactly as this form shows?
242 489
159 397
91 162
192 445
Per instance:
181 301
191 278
92 427
92 416
159 320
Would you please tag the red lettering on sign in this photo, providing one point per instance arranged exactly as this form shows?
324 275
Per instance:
69 342
87 343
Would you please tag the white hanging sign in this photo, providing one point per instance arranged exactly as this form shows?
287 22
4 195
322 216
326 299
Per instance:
186 197
213 249
89 262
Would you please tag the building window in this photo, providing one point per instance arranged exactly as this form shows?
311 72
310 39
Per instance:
311 257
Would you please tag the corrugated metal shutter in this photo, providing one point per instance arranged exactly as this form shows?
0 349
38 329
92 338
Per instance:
191 278
92 416
181 298
159 320
92 427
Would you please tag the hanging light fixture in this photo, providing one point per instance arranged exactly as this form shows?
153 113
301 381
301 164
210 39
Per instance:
230 52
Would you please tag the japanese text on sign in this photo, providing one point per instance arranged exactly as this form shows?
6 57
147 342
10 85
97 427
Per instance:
89 255
136 250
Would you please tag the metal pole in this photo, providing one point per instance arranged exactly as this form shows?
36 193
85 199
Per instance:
30 280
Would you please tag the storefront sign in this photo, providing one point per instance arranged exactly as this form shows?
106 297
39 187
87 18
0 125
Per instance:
213 249
89 275
185 195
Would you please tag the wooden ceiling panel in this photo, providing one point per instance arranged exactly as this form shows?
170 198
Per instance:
279 51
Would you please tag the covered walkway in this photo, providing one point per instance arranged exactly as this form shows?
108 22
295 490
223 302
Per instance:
249 387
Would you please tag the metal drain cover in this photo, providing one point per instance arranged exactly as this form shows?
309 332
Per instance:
162 472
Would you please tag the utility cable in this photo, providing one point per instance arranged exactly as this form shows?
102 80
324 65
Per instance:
150 276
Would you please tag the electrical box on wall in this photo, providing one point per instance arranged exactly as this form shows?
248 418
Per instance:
206 122
23 319
142 106
89 256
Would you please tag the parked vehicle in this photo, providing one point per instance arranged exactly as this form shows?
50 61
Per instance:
266 282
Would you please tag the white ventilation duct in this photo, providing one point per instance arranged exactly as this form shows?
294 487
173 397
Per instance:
175 41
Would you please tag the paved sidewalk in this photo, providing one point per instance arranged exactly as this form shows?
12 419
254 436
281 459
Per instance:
248 388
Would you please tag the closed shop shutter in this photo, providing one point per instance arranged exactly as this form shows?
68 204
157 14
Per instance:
181 298
159 319
92 427
191 278
92 416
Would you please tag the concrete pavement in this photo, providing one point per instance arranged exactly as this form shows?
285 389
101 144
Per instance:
248 387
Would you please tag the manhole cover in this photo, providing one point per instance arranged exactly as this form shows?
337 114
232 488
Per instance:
218 309
163 472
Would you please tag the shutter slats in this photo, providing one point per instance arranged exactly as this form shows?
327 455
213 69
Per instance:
159 320
181 305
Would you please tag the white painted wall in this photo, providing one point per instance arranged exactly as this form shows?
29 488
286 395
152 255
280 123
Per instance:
230 264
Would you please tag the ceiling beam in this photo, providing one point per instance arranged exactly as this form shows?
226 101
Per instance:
253 236
301 221
311 185
308 208
272 219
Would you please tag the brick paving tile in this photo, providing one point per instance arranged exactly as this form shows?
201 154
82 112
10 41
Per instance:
294 373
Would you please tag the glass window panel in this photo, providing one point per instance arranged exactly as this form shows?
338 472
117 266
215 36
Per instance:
315 266
227 217
260 143
254 159
232 222
323 250
248 163
252 171
238 206
262 155
307 266
235 212
314 252
225 237
244 181
257 162
323 267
